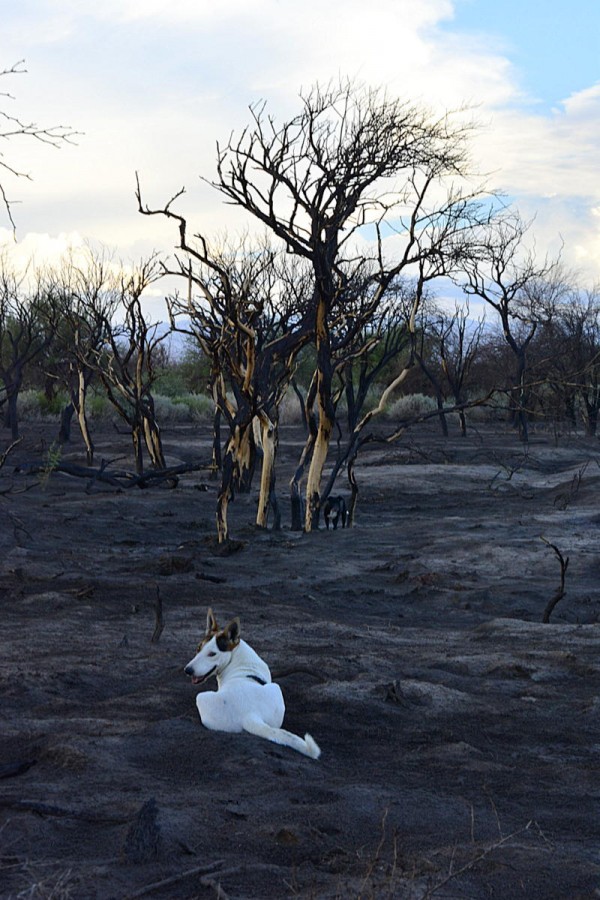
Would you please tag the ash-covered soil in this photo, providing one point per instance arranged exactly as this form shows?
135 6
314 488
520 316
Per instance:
459 734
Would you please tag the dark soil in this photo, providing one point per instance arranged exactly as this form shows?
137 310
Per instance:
459 734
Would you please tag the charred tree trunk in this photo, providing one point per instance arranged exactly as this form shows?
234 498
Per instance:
154 443
233 472
326 417
138 452
81 407
298 509
441 414
302 404
77 405
520 412
244 447
591 418
66 417
225 494
11 415
267 497
570 414
217 457
353 490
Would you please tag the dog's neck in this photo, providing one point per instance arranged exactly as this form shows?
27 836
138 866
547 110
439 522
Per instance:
244 663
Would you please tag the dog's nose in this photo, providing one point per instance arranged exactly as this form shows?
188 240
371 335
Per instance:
188 670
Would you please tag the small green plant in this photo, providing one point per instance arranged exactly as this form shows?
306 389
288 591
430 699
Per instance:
51 461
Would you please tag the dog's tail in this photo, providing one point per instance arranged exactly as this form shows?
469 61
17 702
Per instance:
307 745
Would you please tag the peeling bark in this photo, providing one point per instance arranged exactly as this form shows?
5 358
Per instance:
267 497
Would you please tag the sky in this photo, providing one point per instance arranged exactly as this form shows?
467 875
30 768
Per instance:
152 86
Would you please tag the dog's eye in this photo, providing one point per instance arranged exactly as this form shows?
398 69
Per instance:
212 653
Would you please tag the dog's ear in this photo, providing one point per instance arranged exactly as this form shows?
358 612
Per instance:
229 638
211 622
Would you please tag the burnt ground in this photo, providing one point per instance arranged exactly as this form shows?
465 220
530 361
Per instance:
459 734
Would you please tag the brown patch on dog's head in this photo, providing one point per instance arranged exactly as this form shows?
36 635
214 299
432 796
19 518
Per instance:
212 628
229 637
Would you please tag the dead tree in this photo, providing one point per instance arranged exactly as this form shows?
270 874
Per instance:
87 301
14 129
374 362
570 350
453 348
425 351
504 273
27 326
125 363
249 320
351 157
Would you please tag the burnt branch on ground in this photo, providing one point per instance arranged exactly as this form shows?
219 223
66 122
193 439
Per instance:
119 479
560 593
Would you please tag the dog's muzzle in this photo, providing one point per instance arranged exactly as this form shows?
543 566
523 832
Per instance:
198 679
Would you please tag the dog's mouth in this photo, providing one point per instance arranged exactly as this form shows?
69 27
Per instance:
202 678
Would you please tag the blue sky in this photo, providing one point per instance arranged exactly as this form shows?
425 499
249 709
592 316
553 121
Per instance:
153 85
554 45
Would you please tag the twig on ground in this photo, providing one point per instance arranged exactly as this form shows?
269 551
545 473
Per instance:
490 848
377 856
18 526
4 456
212 882
560 593
167 882
159 625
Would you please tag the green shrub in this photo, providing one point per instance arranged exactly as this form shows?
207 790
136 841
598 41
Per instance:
168 411
200 407
34 406
411 406
54 406
98 406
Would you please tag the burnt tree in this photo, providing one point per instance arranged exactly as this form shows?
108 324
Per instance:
249 318
506 274
87 303
570 349
351 157
27 326
125 364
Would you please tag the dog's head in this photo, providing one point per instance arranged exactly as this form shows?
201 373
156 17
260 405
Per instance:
214 650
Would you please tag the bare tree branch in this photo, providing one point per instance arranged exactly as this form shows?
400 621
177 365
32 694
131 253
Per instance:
13 127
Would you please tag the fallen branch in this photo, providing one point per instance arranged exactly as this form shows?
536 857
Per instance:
560 593
41 808
167 882
120 479
4 456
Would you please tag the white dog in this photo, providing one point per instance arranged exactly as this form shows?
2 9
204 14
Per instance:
246 698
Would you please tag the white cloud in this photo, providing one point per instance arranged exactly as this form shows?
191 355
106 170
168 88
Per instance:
154 85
